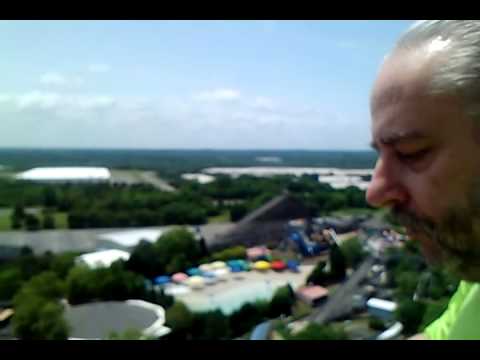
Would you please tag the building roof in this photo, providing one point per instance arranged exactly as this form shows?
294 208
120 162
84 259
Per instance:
200 178
103 258
65 174
98 320
261 331
312 293
381 304
130 238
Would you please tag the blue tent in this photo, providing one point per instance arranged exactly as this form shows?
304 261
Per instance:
236 268
162 280
209 274
232 263
293 265
194 272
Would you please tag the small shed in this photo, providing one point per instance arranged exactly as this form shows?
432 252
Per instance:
312 295
382 309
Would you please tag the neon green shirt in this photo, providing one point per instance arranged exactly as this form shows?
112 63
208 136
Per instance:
461 320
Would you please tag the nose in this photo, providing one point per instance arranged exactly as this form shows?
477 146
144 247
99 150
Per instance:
385 188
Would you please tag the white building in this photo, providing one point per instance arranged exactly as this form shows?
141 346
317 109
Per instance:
337 178
200 178
383 309
66 174
131 238
103 258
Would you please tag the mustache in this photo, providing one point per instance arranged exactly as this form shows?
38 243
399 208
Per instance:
411 220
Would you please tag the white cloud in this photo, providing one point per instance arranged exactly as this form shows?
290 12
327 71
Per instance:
57 79
5 98
53 78
264 103
99 68
218 95
59 119
37 99
45 100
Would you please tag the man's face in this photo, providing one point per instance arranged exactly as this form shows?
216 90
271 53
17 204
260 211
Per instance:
428 168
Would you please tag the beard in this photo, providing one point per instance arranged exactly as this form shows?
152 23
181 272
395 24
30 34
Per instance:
453 241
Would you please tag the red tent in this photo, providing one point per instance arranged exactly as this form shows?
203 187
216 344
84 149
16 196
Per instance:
278 265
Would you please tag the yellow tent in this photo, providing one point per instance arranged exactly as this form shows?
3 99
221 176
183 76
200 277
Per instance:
261 265
195 282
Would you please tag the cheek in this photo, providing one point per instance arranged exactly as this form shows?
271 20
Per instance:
428 196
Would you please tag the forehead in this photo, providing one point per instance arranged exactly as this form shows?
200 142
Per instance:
401 103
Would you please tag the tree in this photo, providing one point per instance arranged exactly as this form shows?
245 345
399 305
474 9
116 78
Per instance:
31 222
176 249
235 252
114 283
320 332
337 263
318 276
48 221
144 260
19 211
237 212
353 251
10 283
39 319
180 319
38 313
212 325
376 323
410 314
282 302
244 319
129 334
50 197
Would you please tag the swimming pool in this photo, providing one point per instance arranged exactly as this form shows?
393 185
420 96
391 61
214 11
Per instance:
233 298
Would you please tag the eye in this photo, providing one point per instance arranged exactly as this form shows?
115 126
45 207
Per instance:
413 156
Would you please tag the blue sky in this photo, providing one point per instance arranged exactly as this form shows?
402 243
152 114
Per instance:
190 84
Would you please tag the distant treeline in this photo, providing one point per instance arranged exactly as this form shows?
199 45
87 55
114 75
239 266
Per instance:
173 162
104 205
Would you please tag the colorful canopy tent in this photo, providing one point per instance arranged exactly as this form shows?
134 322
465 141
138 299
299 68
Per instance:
245 265
236 268
209 274
261 265
194 272
218 265
278 265
162 280
231 263
210 277
173 289
196 282
222 274
179 277
293 265
205 267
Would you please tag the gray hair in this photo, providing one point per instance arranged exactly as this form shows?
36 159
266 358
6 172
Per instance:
459 69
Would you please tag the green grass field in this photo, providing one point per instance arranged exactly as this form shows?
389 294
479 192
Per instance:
60 218
222 218
5 220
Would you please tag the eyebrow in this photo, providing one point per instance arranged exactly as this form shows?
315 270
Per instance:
394 138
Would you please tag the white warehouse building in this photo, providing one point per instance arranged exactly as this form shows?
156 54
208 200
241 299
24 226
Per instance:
66 174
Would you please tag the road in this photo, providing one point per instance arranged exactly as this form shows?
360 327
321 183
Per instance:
341 303
140 177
